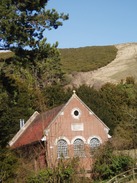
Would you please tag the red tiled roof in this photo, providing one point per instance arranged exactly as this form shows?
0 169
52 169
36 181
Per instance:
35 131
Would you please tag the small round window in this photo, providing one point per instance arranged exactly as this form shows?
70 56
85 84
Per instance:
75 113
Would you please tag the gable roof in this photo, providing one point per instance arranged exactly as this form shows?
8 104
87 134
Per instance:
33 129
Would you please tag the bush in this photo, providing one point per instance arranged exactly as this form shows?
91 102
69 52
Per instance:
8 166
108 164
65 172
130 80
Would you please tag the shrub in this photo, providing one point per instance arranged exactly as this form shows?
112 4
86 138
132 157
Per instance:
65 172
8 166
108 164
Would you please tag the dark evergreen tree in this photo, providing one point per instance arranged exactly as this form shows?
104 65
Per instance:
23 22
8 166
24 77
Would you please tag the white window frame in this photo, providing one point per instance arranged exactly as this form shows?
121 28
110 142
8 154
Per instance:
93 149
79 148
62 151
76 116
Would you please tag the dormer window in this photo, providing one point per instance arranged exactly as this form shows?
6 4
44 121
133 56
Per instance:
76 113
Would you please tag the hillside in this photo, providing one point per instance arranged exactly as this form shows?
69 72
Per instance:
97 65
88 58
124 65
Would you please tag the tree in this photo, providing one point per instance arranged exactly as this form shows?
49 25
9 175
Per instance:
125 134
23 22
9 165
114 104
24 77
4 122
108 163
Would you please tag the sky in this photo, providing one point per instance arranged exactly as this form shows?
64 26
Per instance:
94 23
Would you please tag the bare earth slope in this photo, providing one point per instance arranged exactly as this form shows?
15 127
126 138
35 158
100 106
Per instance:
124 65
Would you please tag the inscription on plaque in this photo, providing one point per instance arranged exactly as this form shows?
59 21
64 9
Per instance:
77 127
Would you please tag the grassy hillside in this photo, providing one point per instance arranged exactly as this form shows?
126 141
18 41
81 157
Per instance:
82 59
86 58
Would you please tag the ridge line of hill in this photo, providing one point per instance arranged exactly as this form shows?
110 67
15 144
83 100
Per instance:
124 65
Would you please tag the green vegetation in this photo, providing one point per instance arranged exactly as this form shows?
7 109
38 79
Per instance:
8 166
34 80
75 60
26 74
86 58
23 22
82 59
107 164
115 105
65 172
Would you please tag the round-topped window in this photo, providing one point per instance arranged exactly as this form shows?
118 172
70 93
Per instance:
76 113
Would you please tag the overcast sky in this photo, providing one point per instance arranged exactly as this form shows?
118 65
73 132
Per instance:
94 22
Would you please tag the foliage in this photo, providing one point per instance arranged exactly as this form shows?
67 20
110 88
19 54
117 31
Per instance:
64 172
26 73
4 102
108 164
114 104
125 134
86 58
35 67
8 166
56 95
14 105
23 22
23 81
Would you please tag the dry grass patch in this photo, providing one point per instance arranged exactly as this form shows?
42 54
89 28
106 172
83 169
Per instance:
4 55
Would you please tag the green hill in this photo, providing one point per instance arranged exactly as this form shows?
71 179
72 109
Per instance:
86 58
82 59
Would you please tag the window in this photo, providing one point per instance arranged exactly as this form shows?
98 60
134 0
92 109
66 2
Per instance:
79 148
75 113
62 148
94 143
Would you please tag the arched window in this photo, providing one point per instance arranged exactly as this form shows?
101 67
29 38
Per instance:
94 142
62 148
79 148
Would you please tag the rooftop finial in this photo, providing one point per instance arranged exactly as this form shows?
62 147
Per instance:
74 91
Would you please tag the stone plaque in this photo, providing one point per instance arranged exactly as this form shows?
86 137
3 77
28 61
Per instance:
77 127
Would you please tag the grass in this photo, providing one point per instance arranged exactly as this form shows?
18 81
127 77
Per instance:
81 59
86 58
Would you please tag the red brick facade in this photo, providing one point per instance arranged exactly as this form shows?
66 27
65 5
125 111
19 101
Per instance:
68 130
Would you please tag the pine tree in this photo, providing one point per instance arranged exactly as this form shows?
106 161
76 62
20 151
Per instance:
24 77
23 22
